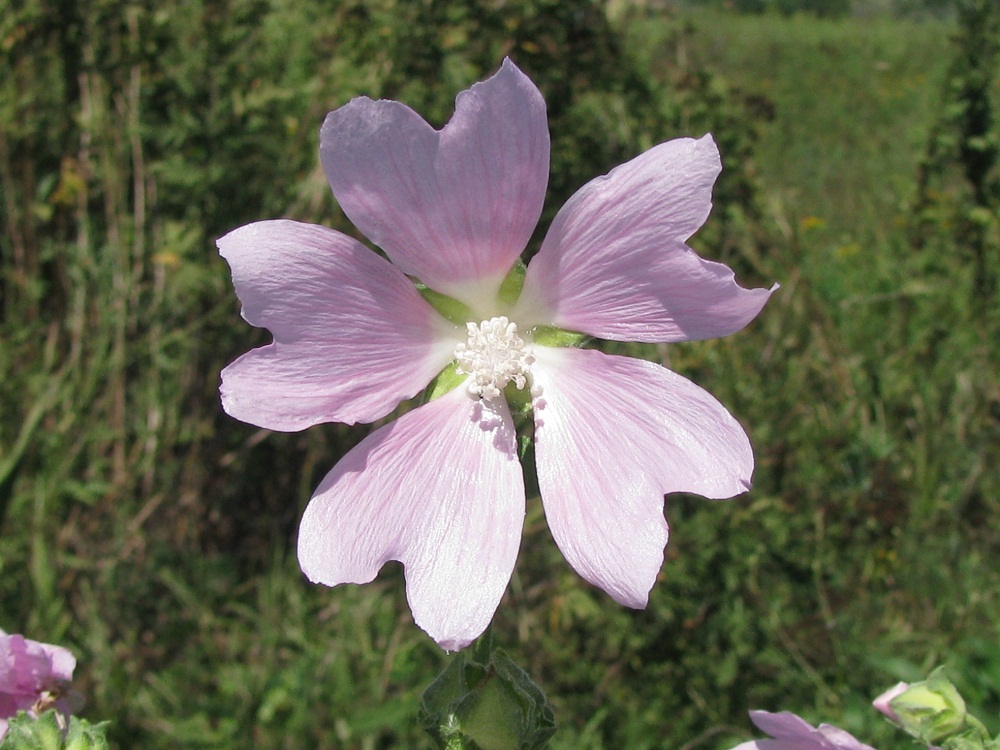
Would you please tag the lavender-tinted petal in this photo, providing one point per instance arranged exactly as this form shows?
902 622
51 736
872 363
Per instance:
440 490
612 436
352 336
454 207
615 265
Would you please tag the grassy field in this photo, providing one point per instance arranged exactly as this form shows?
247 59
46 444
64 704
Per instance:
853 103
154 536
850 104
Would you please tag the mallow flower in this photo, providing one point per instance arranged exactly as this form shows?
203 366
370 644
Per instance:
440 489
789 732
34 677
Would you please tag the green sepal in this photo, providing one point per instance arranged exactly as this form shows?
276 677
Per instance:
971 739
446 381
524 444
510 287
450 309
552 336
28 733
83 735
483 701
931 710
519 401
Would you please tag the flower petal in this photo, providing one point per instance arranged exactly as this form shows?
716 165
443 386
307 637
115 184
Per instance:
62 663
835 737
615 265
440 490
791 732
612 436
352 336
454 207
782 725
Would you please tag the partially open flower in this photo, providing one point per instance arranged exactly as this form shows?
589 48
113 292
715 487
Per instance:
930 710
34 677
441 489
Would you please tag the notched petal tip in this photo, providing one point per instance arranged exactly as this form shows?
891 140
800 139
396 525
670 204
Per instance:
634 598
453 207
352 336
509 69
451 645
707 145
613 435
732 315
440 490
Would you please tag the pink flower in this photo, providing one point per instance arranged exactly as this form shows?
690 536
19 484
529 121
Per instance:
884 701
792 733
441 489
34 677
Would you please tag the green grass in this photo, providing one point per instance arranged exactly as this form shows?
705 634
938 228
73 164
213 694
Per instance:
853 101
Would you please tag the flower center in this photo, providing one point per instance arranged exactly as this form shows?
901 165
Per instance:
493 355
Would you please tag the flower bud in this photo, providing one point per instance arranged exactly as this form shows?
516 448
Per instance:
929 710
486 702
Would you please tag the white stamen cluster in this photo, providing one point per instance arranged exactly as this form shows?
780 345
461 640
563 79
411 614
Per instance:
493 355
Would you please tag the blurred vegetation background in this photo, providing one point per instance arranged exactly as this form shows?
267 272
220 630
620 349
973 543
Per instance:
154 536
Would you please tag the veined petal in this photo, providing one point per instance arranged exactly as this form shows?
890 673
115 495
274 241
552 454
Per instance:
782 725
612 436
440 490
62 663
790 732
835 737
615 265
352 335
454 207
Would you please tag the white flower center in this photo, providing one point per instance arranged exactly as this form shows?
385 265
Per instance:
493 355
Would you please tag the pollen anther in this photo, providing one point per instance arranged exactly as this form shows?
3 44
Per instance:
493 355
